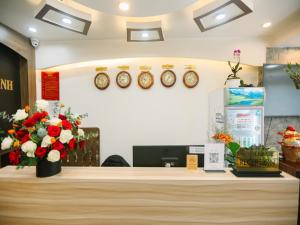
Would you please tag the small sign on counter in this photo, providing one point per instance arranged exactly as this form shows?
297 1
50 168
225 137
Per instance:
214 157
192 162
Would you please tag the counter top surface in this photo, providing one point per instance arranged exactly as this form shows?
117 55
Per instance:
145 196
131 173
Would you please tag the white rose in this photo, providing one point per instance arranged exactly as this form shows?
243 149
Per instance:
53 156
6 143
54 121
46 141
65 136
20 115
42 105
29 148
80 132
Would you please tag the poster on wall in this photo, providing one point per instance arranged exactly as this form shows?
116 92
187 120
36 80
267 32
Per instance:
50 86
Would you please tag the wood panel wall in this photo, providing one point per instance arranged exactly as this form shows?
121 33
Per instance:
21 44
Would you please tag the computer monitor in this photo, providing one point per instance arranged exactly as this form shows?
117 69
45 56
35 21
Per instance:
161 156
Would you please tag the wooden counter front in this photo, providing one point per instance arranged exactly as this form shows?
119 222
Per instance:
145 196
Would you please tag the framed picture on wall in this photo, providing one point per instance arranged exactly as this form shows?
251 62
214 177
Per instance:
214 157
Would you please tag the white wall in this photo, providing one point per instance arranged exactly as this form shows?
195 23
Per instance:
53 53
159 116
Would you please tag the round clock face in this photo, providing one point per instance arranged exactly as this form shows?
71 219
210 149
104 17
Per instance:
168 78
190 79
145 80
123 79
102 81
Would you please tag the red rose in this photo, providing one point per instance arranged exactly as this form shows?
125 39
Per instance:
53 131
81 144
44 114
58 146
21 133
25 138
29 122
40 152
72 143
62 117
37 116
66 125
14 157
63 154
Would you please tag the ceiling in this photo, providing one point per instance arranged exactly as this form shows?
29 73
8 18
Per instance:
176 16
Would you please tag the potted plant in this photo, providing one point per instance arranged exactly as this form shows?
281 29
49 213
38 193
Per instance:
232 147
36 138
252 161
233 81
294 74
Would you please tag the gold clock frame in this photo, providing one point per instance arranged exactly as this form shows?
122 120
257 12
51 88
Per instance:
130 79
161 78
102 74
184 79
152 79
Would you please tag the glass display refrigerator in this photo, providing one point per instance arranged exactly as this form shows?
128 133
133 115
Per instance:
239 112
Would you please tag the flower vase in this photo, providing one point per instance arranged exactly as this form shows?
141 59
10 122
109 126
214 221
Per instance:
233 83
45 168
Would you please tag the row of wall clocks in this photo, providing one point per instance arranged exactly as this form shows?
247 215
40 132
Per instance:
146 79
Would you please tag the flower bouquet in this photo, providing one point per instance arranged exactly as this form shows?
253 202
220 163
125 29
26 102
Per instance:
290 144
36 138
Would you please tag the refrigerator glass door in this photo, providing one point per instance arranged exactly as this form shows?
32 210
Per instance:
245 125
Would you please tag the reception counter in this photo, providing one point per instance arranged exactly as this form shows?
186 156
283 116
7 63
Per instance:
145 196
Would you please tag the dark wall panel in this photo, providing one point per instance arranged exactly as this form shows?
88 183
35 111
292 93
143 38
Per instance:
10 99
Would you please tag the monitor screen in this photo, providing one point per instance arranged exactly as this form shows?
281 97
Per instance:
162 156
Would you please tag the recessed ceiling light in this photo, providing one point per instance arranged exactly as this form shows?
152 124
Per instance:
32 29
220 16
124 6
67 21
219 13
267 24
59 14
145 35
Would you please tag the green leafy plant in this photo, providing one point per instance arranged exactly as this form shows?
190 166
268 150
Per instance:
294 74
230 157
234 69
256 157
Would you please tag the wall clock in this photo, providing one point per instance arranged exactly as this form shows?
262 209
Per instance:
123 79
102 81
145 80
190 79
168 78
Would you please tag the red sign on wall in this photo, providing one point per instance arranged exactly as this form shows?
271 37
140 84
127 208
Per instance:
50 86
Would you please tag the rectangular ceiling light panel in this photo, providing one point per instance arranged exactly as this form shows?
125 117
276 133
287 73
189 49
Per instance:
63 16
144 35
222 14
